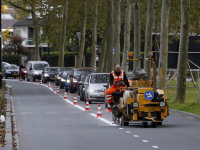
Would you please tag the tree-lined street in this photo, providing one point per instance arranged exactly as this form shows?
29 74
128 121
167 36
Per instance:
46 121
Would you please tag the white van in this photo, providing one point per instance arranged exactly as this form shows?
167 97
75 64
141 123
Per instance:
35 69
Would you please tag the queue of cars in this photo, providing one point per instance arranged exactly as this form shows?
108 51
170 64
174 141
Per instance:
89 85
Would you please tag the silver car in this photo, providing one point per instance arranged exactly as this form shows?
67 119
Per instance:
94 91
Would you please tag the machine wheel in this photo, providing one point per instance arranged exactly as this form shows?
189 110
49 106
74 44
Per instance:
45 81
33 79
6 76
123 122
126 123
14 77
61 87
72 90
159 123
28 79
144 124
154 124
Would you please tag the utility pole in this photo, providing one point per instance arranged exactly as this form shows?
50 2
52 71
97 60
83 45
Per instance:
0 57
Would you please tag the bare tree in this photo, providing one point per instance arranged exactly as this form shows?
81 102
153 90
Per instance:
183 52
82 41
94 34
164 41
62 37
148 35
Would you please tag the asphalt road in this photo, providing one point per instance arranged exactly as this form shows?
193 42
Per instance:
46 121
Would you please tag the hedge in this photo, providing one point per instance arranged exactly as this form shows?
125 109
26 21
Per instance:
2 94
12 58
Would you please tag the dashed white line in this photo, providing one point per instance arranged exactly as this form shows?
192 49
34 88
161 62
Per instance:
121 128
144 141
128 131
155 146
135 135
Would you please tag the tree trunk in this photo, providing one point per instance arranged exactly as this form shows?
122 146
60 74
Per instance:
136 9
36 28
117 32
164 41
126 35
94 34
183 52
148 36
82 42
62 37
109 54
103 53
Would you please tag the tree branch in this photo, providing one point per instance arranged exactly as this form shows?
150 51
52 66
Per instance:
19 7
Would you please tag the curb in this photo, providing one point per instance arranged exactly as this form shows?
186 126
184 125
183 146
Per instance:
184 114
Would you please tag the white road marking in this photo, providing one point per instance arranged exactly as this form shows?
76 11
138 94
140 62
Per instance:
26 113
135 135
128 131
121 128
51 112
144 141
155 146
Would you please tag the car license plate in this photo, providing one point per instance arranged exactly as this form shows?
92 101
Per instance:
14 74
102 95
53 78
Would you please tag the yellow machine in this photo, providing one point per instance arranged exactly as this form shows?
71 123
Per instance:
142 101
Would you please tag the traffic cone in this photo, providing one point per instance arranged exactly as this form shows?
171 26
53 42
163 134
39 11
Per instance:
20 79
87 107
75 100
57 90
40 80
109 109
99 113
49 85
65 95
54 88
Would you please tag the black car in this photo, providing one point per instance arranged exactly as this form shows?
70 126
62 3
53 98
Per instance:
63 78
82 87
80 81
49 74
10 71
59 72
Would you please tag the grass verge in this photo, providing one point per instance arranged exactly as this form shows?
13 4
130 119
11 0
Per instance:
191 98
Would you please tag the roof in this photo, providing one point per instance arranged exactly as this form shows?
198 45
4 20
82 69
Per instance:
24 23
8 22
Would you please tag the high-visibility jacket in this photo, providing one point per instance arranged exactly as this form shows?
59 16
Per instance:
117 78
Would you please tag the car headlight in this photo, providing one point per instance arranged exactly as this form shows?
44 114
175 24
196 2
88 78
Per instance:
91 90
46 75
162 104
36 73
135 104
63 80
68 81
74 80
8 72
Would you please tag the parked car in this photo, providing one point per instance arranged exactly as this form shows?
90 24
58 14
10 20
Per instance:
67 81
82 87
80 81
10 71
49 74
60 70
34 69
3 64
75 77
63 78
94 91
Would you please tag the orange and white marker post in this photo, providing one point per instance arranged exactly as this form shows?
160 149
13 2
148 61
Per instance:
75 100
57 90
65 95
87 107
49 85
40 80
54 88
99 113
20 79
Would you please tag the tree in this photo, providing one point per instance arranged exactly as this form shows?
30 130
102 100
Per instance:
117 32
82 41
148 35
94 34
183 52
126 34
62 37
109 50
137 33
14 46
164 41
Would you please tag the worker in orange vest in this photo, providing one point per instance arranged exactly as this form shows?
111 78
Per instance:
115 76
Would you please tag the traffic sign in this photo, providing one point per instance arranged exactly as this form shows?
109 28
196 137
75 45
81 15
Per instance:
148 95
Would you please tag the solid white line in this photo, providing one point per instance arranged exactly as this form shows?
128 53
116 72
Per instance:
155 146
135 135
144 141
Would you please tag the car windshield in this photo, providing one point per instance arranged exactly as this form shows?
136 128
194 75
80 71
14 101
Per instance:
39 66
100 78
82 72
69 73
11 67
65 73
51 70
